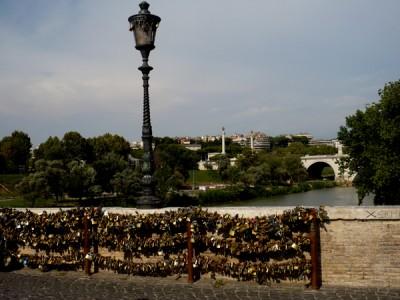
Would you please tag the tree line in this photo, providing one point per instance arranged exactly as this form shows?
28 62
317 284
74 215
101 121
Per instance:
77 167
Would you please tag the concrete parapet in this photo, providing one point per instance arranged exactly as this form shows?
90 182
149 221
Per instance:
334 212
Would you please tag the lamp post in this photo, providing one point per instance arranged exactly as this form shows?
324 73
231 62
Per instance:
144 26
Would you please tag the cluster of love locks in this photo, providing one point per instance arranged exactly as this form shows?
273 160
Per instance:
264 248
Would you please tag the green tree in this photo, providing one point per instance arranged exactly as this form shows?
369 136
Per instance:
296 148
51 149
300 139
295 169
223 163
246 159
167 181
107 143
321 150
177 158
265 168
164 140
127 182
80 179
106 167
33 186
76 147
257 175
54 175
279 141
372 139
16 151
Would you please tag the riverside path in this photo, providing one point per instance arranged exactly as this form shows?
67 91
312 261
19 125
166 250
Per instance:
33 284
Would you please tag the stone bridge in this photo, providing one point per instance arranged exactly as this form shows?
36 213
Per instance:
316 163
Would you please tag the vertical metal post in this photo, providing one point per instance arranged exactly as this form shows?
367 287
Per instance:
316 280
86 245
189 260
95 245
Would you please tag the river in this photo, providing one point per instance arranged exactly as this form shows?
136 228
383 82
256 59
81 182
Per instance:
338 196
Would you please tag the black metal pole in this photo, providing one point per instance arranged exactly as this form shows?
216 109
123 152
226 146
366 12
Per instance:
316 280
86 244
95 245
189 259
148 199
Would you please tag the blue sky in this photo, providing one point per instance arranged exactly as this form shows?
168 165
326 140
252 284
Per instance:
278 66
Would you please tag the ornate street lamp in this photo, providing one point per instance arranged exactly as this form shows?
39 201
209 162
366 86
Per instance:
144 26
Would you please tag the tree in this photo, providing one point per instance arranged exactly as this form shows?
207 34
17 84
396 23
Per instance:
107 143
223 163
372 139
167 180
257 175
51 149
246 159
279 141
295 169
106 167
164 140
177 158
300 139
81 178
127 182
52 171
321 150
265 168
296 148
76 147
16 151
33 186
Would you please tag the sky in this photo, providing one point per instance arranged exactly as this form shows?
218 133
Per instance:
277 66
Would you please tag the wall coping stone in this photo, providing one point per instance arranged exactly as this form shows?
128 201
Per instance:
364 213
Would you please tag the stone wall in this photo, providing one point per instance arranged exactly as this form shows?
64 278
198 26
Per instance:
360 246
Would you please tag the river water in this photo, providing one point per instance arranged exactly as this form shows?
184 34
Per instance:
337 196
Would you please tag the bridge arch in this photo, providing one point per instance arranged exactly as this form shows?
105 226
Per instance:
315 170
315 163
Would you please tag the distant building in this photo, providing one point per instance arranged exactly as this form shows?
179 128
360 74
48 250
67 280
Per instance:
322 142
258 141
193 147
210 138
239 139
184 140
306 135
136 145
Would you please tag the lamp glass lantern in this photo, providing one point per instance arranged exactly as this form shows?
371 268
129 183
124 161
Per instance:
144 26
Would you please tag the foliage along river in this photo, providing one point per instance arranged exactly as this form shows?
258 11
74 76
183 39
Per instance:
337 196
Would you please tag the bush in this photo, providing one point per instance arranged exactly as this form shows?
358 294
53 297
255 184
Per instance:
219 196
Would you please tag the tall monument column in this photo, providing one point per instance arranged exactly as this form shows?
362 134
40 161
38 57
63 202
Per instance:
223 141
251 141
